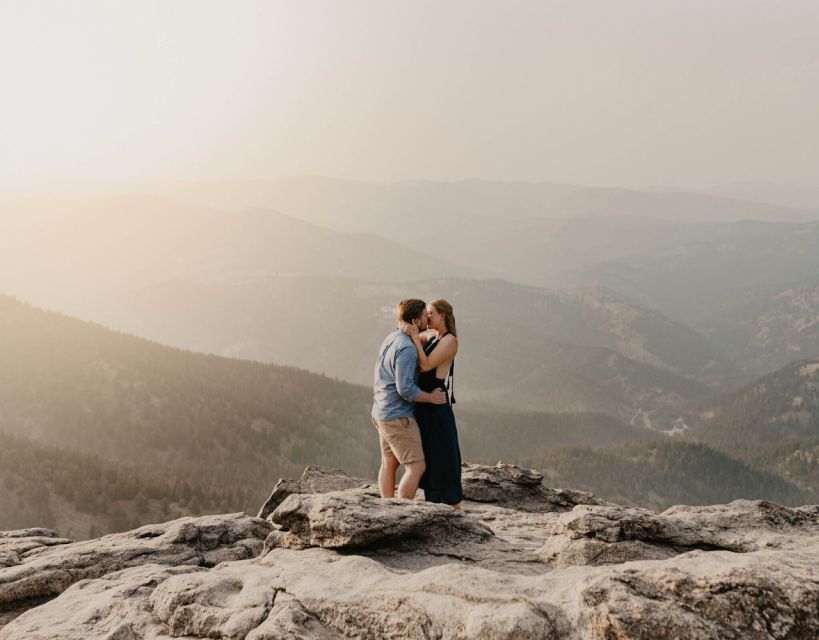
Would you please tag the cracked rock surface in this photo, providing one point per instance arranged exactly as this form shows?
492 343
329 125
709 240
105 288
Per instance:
340 562
41 565
605 535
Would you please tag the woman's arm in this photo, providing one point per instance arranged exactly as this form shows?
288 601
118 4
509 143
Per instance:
443 352
424 336
405 380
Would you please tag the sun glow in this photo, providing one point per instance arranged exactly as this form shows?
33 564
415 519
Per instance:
106 89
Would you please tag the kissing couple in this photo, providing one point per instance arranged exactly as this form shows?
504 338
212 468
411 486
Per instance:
411 404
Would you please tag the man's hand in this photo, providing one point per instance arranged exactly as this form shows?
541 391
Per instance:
437 396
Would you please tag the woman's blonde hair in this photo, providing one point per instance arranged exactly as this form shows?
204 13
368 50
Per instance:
442 306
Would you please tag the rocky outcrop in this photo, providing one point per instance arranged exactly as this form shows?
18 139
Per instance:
510 486
318 593
353 519
344 563
605 535
748 516
503 485
14 545
314 480
616 534
40 566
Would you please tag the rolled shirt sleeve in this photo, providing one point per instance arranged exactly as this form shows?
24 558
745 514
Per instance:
406 363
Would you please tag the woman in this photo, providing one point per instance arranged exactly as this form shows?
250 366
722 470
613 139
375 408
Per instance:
441 481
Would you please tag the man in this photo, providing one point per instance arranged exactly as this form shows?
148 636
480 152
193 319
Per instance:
395 392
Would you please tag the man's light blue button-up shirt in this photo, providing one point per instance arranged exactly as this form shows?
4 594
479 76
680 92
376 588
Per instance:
395 388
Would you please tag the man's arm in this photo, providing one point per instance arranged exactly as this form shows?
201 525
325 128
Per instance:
438 396
406 361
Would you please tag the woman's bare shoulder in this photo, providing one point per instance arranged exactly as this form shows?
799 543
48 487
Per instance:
449 339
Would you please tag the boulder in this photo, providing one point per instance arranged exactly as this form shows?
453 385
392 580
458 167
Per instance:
356 519
315 479
514 487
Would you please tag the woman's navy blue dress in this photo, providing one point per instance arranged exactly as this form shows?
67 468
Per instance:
441 481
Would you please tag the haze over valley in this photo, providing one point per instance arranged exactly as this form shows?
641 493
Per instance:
628 337
208 213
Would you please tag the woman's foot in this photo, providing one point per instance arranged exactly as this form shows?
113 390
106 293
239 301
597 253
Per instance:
457 507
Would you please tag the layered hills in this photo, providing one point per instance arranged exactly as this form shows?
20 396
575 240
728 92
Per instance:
68 253
706 264
85 256
138 431
524 347
474 222
764 328
664 310
783 405
772 423
698 270
203 431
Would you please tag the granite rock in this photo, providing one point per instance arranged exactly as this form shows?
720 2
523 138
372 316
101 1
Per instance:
41 566
537 563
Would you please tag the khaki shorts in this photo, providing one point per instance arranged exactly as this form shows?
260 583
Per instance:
400 439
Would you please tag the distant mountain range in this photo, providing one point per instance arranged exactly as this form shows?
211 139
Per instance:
479 223
134 430
662 312
693 271
772 423
799 196
68 252
778 407
195 431
765 327
585 350
694 300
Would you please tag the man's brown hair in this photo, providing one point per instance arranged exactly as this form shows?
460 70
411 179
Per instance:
410 309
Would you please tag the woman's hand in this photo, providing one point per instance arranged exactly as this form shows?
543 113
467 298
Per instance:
409 328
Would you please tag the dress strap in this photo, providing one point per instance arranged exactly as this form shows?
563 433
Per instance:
451 376
452 380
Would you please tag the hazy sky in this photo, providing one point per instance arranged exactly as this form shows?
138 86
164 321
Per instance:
628 93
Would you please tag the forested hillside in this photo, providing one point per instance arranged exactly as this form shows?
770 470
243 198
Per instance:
523 347
102 431
228 427
772 423
660 474
84 495
135 429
